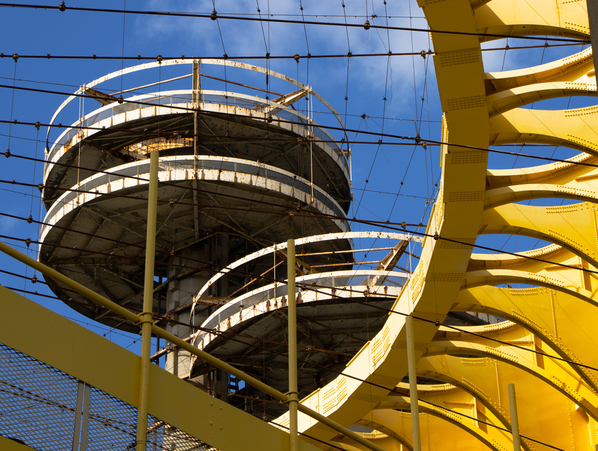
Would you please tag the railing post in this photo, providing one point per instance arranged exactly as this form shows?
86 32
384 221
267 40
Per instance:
514 418
293 394
413 383
148 302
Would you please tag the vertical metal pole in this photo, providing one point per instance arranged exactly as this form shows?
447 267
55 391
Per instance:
413 384
293 394
148 302
85 418
514 418
79 412
196 99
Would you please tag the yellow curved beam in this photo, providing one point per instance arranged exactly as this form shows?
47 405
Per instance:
494 442
496 269
553 224
571 128
533 17
541 408
513 98
567 69
560 173
547 314
554 373
518 193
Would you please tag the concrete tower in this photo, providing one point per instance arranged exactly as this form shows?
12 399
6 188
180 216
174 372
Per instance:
242 169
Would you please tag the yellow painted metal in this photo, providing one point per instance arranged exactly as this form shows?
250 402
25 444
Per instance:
547 315
146 317
533 17
292 334
416 439
10 445
558 399
115 370
514 418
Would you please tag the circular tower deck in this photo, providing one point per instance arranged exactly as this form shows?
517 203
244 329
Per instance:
240 173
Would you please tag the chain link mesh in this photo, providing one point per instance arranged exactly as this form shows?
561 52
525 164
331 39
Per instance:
38 407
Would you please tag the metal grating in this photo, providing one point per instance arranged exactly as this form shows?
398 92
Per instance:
36 402
38 407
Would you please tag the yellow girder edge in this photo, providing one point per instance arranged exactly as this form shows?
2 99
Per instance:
45 335
546 313
552 173
556 373
541 407
460 399
385 438
553 267
560 128
507 100
533 17
380 417
553 224
566 69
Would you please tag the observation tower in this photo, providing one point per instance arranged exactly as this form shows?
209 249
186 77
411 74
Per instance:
242 169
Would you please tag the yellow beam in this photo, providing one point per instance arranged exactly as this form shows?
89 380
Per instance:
115 370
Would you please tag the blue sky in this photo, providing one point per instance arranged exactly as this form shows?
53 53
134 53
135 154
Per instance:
396 95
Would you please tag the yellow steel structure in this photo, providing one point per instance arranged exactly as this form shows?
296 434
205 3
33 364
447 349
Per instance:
546 347
551 325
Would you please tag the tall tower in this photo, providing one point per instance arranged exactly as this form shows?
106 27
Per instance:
242 169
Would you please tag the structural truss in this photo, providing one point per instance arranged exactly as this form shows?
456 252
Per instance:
546 344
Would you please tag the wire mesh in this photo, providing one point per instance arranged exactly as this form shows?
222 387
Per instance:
36 402
38 407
